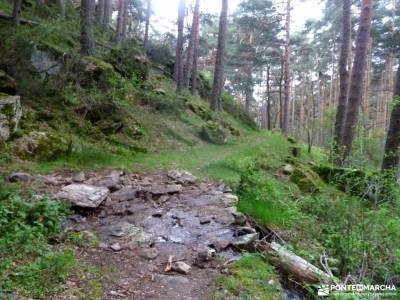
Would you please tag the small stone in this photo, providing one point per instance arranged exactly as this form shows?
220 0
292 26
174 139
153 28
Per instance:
243 230
103 246
125 194
204 221
240 218
149 253
79 177
182 177
181 267
229 199
116 247
158 190
288 169
20 177
245 242
157 214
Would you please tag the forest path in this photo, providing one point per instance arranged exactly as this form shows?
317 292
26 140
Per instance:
146 221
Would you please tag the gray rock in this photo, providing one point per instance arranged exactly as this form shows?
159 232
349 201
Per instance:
135 236
125 194
288 169
240 218
245 242
149 253
229 199
79 177
158 190
112 183
243 230
116 247
182 177
10 116
20 177
172 280
205 220
83 195
181 267
45 63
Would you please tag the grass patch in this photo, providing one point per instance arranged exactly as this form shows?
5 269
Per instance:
250 278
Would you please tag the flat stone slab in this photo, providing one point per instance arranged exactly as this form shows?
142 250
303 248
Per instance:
83 195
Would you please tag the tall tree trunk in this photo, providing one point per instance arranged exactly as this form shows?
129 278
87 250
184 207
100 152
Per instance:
100 11
344 75
61 6
357 76
280 96
107 14
268 98
125 20
391 158
178 69
249 89
87 16
120 22
17 11
189 60
146 30
218 83
196 40
287 72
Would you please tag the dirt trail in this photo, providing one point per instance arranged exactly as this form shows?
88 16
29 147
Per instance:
145 220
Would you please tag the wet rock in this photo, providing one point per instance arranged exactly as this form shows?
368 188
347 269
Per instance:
205 220
149 253
116 247
45 63
158 190
20 177
245 242
288 169
182 177
119 208
83 195
79 177
125 194
219 244
240 218
112 183
133 236
181 267
10 116
229 200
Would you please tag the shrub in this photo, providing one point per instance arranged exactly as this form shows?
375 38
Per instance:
213 132
237 111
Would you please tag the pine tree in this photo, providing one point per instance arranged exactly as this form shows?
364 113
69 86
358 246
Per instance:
87 38
17 11
196 40
178 69
218 82
146 30
286 72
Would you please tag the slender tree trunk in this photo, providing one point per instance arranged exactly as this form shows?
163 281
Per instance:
178 70
120 22
146 30
391 158
124 20
357 76
249 90
218 83
87 16
268 90
189 60
61 6
107 14
344 75
100 11
196 40
280 96
17 11
287 72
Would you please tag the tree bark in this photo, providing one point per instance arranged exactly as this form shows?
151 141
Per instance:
178 69
218 83
287 73
268 99
391 158
189 60
357 76
107 14
146 30
17 11
196 40
87 38
344 75
100 11
120 22
125 20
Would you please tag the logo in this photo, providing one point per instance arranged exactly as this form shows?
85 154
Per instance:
324 290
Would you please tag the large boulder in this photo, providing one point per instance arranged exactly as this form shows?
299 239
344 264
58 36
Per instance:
306 179
10 116
42 146
83 195
45 63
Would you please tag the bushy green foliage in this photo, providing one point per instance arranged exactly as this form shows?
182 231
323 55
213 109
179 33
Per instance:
231 107
168 102
29 265
213 132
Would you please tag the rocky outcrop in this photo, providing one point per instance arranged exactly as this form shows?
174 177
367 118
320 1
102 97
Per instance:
213 133
45 63
10 116
8 84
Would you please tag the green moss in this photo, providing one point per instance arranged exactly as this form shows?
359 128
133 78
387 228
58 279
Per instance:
201 110
250 278
306 179
214 133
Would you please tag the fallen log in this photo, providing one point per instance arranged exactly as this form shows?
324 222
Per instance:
5 16
294 265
